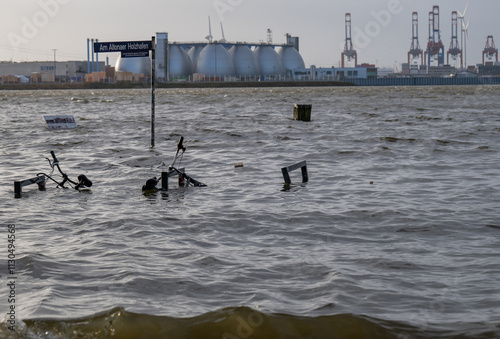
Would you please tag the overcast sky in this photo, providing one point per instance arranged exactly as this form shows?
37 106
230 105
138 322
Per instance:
32 29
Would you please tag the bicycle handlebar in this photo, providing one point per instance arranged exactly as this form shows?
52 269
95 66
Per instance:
180 146
54 157
82 179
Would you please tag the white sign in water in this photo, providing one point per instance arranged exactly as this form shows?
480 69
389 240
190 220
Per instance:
59 121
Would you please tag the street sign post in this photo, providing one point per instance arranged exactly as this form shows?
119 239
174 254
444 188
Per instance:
134 49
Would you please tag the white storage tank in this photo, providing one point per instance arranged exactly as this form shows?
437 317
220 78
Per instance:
245 62
269 61
137 65
291 58
179 63
215 61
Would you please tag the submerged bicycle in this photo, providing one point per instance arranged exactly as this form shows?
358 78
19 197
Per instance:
184 179
41 179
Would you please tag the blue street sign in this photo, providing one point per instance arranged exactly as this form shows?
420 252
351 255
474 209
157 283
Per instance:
123 46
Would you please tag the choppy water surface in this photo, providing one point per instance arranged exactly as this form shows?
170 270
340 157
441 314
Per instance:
396 235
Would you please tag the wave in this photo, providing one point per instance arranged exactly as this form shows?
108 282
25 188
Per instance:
234 323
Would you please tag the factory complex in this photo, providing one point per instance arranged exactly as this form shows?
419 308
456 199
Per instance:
210 61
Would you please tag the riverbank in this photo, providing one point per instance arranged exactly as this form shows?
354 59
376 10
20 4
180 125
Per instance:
122 85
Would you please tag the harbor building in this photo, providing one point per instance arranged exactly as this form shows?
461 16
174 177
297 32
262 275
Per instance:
46 71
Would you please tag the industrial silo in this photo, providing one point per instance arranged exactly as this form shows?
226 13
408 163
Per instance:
215 61
179 63
291 58
194 53
268 60
245 62
137 65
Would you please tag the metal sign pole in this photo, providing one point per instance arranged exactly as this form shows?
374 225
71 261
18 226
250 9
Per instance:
153 68
133 49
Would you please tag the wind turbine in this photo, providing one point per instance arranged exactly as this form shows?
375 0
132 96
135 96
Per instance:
209 37
464 36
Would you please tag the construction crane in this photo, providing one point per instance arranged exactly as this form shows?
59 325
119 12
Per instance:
349 51
415 50
489 50
455 49
435 47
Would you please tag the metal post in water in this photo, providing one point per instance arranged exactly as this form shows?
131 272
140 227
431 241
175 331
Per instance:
302 112
164 180
153 68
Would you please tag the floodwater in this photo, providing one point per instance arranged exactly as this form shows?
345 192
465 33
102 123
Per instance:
395 235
